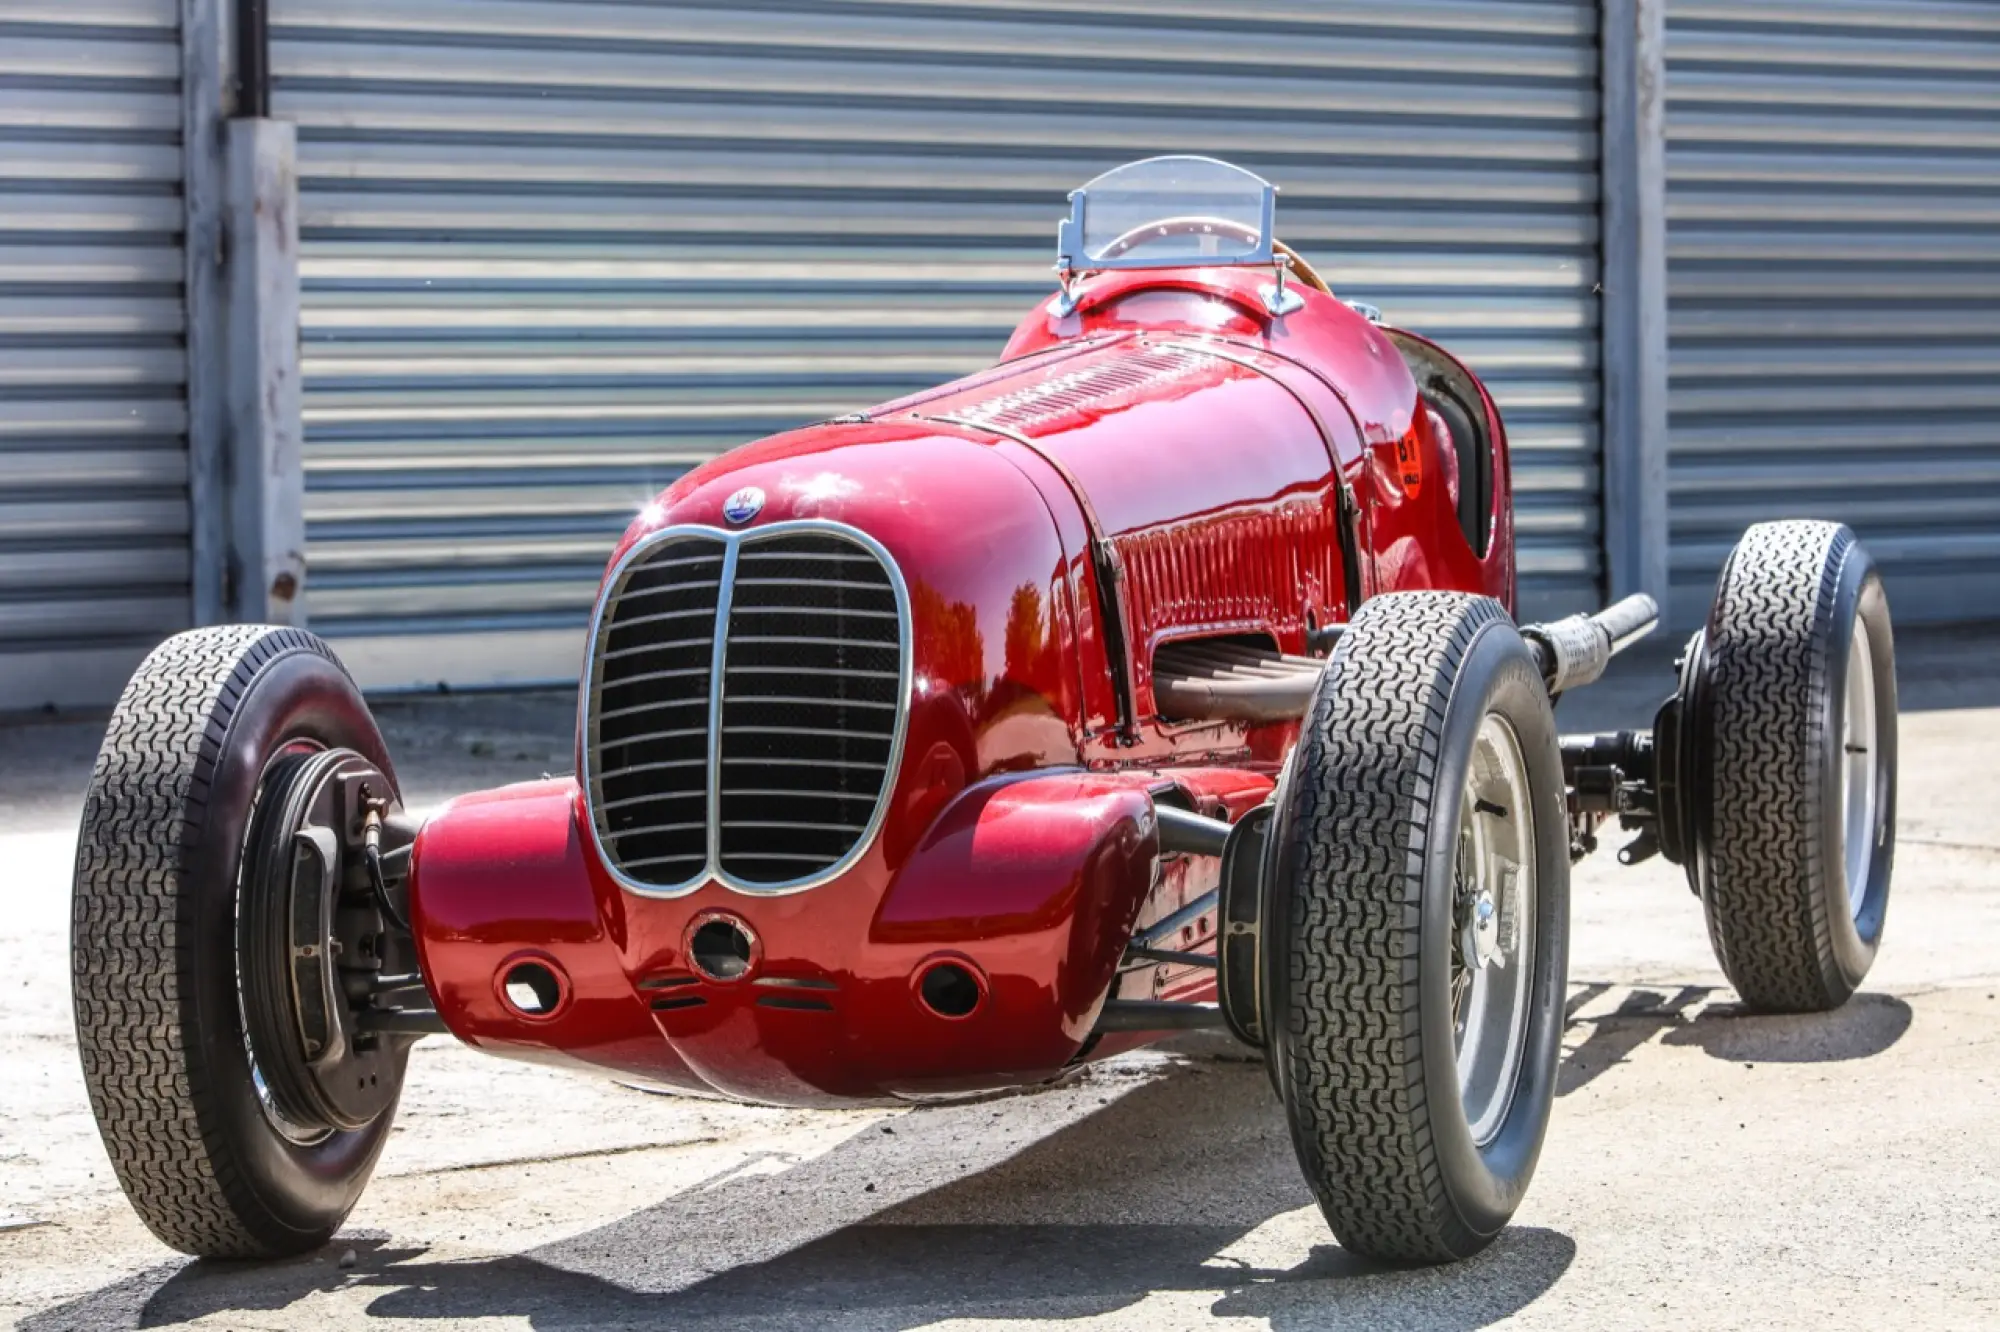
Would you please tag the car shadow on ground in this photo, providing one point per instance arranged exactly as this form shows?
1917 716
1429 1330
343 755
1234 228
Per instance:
939 1217
1149 1192
1864 1027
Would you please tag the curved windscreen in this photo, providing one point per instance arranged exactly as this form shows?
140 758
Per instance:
1168 212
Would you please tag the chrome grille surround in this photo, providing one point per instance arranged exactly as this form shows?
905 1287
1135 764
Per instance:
699 686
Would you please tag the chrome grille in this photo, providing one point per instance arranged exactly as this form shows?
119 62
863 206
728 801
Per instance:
772 775
649 731
811 691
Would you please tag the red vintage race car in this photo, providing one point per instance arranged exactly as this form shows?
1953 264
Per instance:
1162 676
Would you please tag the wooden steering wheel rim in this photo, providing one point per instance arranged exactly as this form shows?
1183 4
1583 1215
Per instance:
1301 269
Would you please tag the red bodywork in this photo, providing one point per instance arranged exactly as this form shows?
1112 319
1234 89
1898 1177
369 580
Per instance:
1205 442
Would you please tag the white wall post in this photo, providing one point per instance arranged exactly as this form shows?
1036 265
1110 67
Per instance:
266 464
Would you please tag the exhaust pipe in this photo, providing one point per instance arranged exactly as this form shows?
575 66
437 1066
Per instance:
1222 681
1575 652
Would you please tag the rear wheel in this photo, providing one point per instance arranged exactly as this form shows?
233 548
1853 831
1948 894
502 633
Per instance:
1418 915
216 941
1790 708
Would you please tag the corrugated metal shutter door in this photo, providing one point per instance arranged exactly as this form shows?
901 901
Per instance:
1834 233
94 563
555 253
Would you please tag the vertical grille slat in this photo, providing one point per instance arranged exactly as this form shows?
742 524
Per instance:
791 774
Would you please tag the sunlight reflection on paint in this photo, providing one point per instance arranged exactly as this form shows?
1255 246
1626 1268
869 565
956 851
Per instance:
826 488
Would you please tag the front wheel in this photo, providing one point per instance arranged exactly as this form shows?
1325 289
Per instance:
216 944
1419 909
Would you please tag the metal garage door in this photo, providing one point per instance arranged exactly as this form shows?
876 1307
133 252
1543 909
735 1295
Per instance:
94 562
554 253
1834 241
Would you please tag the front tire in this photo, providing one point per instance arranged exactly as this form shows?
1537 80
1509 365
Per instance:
207 1161
1417 1062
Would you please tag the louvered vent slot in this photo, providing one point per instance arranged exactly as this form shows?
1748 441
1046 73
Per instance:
650 713
811 694
1059 395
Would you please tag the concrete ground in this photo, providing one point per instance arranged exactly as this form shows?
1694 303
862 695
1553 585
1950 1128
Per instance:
1705 1169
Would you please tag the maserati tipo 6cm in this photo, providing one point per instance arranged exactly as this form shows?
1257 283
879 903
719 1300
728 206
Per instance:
1162 676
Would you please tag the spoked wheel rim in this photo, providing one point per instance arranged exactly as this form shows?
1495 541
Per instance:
1493 943
1860 770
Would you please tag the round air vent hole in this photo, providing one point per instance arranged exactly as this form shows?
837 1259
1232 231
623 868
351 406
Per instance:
531 989
949 990
721 950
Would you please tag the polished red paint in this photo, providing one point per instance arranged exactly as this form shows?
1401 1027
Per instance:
1210 446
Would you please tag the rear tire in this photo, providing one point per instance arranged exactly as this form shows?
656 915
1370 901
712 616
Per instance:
1793 687
1418 1146
154 918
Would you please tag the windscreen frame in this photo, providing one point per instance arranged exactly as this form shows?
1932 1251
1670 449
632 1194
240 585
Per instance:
1073 235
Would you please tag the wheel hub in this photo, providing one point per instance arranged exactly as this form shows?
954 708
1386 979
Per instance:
1860 771
1480 938
313 944
1492 963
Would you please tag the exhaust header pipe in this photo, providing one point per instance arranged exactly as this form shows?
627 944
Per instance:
1575 652
1224 681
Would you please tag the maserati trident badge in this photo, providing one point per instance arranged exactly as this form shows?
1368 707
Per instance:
744 505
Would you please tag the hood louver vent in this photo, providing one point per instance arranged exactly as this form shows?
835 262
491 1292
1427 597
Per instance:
1132 376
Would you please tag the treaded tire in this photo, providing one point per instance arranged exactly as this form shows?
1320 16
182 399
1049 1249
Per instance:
1770 836
153 942
1361 901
